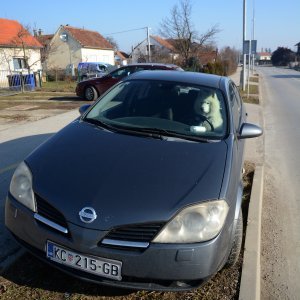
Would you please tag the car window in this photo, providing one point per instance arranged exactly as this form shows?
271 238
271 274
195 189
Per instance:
236 106
186 109
140 68
122 72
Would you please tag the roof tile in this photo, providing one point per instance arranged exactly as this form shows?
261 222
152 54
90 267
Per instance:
13 34
88 38
165 43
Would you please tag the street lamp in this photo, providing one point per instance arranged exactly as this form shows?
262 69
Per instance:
244 46
148 41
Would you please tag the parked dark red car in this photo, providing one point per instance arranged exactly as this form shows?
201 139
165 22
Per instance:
92 88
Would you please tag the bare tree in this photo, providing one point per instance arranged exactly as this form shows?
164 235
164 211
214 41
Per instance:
180 29
161 56
21 41
229 58
113 42
5 59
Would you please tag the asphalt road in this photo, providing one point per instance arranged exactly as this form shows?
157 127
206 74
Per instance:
16 143
281 205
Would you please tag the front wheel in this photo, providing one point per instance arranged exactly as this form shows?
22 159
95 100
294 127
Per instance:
90 93
237 243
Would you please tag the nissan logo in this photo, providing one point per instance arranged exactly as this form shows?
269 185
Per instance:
87 215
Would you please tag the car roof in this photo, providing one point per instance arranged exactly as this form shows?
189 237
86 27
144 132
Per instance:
94 63
209 80
152 64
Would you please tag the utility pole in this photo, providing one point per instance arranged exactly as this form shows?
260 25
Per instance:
253 27
249 66
148 39
244 48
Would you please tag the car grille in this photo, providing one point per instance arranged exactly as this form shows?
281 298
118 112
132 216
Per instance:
132 236
49 212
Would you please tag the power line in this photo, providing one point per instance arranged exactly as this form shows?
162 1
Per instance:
126 31
148 37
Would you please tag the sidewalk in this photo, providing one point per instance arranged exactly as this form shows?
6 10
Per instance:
254 152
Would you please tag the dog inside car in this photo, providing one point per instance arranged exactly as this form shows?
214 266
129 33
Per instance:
207 104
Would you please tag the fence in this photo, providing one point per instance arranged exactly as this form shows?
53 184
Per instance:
12 82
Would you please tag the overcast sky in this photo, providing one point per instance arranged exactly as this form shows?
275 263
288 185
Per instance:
277 22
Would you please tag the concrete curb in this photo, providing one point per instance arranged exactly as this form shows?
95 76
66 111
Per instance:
250 281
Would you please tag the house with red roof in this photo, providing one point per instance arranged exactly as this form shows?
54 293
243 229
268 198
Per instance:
19 50
160 49
70 46
263 58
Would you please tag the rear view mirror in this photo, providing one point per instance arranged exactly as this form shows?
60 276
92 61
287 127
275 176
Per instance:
249 130
83 108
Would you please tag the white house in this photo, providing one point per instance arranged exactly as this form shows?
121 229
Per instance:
263 58
19 50
158 47
70 46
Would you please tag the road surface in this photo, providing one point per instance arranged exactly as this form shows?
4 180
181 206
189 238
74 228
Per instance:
280 259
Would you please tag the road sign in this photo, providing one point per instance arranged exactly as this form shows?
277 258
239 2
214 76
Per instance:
253 46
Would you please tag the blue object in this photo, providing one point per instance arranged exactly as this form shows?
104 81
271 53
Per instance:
29 82
14 81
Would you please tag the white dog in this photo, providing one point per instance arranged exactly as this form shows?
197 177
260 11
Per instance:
208 105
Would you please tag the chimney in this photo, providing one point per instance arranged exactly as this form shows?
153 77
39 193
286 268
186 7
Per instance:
35 32
40 32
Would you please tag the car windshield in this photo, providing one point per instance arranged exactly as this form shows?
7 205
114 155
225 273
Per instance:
163 107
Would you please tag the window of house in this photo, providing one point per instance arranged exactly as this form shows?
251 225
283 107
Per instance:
19 63
152 48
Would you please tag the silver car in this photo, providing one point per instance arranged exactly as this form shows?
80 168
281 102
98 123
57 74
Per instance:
144 190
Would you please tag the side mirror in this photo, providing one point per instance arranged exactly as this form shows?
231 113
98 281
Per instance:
83 108
249 130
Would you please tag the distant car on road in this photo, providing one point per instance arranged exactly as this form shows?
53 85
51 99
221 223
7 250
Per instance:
92 88
144 190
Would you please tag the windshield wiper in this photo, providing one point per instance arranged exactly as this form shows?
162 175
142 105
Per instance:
124 129
171 133
100 123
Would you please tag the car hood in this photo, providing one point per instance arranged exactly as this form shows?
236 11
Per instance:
126 179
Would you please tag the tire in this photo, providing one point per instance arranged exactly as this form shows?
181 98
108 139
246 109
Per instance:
237 243
90 93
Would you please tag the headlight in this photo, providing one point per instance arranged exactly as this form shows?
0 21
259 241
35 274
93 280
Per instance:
21 186
197 223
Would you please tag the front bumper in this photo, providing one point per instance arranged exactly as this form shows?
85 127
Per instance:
159 267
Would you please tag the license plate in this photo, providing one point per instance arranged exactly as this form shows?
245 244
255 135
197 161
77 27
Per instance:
96 265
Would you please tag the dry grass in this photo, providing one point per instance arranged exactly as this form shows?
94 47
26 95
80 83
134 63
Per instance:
250 99
253 90
58 86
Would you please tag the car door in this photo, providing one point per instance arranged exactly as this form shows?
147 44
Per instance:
238 116
104 83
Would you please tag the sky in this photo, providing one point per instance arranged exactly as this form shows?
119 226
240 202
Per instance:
276 22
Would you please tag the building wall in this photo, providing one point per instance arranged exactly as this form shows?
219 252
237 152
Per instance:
142 50
97 55
7 55
61 54
264 57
